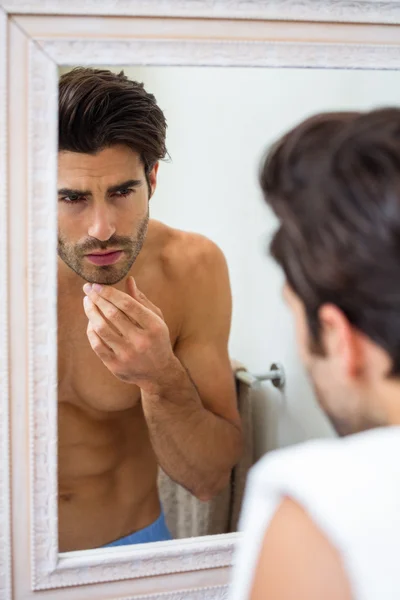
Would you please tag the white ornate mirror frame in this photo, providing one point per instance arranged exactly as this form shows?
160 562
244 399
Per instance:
35 38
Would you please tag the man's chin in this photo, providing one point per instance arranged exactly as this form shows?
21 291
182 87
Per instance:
103 278
344 427
102 275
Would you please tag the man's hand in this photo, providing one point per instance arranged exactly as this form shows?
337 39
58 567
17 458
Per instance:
128 333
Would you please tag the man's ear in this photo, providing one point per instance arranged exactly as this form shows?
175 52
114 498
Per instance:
341 341
153 179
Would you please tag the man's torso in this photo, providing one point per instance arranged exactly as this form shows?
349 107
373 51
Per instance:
107 467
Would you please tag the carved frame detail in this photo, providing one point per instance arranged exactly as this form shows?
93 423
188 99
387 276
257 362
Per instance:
5 491
200 556
346 11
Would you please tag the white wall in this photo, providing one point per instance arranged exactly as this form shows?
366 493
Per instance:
220 122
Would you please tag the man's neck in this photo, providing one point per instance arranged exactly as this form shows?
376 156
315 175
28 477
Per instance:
387 401
393 409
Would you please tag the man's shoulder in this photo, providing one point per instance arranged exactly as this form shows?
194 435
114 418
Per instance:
328 469
185 252
332 493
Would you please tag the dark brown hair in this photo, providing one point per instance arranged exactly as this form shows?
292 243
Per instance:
98 109
334 184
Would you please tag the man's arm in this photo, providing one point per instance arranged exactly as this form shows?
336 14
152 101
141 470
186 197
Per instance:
297 562
193 418
188 395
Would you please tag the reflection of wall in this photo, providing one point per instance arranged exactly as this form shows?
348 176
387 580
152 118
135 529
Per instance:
220 122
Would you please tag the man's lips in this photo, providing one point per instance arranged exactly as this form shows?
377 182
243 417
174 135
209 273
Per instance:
105 258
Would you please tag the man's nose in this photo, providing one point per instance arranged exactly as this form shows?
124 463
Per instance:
102 223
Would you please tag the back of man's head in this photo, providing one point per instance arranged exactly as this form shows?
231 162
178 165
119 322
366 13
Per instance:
334 184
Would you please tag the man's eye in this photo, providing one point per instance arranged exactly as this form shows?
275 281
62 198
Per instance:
72 198
124 192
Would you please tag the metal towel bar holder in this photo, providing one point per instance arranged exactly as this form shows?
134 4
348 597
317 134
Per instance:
276 375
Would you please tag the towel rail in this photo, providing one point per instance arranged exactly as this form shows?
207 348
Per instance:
276 375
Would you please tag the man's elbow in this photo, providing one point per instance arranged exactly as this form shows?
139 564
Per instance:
216 484
207 492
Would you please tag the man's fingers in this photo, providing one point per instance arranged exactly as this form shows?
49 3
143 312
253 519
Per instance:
112 313
97 344
141 297
101 327
132 308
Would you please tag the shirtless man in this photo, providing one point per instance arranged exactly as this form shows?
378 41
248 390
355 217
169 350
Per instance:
144 317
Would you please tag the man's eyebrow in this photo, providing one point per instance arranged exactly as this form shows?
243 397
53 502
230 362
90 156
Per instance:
124 185
71 192
110 190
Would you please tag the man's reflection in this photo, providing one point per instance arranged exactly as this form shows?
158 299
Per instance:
143 315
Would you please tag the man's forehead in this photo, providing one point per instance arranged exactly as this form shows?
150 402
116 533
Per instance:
109 162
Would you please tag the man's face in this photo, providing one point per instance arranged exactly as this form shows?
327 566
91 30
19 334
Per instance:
103 212
338 391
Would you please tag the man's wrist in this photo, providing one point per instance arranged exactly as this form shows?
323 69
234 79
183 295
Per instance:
167 379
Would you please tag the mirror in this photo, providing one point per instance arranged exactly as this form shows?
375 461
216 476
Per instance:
220 121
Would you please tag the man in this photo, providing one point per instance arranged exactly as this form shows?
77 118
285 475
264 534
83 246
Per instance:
144 317
322 521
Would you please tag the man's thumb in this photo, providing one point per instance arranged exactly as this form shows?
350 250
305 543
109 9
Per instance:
131 287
